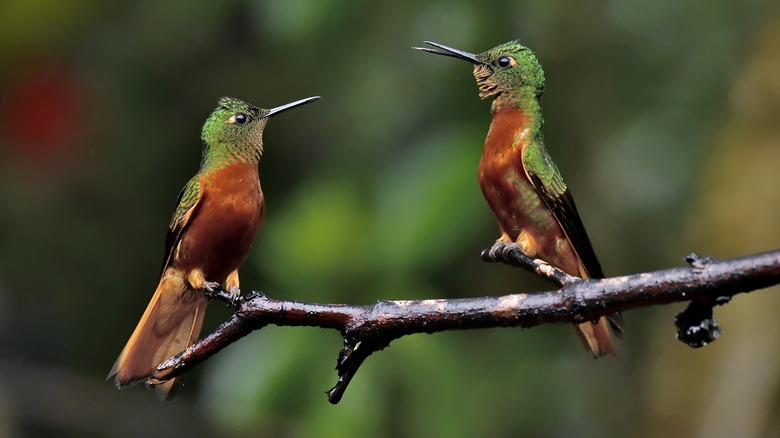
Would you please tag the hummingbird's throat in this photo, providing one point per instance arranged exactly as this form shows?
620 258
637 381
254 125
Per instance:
487 88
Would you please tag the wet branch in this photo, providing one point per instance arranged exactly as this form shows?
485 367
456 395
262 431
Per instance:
369 328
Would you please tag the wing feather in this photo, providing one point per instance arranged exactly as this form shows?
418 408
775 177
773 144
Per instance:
186 204
545 177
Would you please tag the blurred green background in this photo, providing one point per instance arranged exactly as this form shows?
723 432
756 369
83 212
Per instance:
663 116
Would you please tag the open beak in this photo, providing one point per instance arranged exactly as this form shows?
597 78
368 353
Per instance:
278 109
449 51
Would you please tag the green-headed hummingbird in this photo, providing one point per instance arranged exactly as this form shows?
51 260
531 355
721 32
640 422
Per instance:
519 180
213 226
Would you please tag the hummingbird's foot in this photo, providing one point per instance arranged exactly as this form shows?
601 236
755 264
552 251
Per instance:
197 280
209 285
495 252
235 294
498 249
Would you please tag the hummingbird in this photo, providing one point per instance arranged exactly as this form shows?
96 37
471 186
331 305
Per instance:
520 181
211 231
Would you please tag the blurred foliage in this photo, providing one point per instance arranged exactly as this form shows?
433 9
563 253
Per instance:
662 116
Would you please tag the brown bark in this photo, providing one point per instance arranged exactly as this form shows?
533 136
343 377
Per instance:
369 328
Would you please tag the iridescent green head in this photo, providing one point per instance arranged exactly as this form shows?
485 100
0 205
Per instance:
234 130
234 121
509 67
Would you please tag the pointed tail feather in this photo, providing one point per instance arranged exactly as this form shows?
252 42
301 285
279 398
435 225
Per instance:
598 337
171 322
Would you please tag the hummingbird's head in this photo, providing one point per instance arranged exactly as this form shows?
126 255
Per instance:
506 67
235 128
233 122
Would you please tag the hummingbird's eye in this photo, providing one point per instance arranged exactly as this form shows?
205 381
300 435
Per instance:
242 119
505 62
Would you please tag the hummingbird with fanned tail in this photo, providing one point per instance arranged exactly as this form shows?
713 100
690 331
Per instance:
520 181
212 229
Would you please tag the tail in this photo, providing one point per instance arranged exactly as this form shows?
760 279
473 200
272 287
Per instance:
170 324
599 337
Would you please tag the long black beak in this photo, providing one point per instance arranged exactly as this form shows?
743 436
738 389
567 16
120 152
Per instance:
449 51
278 109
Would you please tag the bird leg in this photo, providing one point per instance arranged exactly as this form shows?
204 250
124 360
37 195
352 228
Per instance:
528 244
197 280
231 284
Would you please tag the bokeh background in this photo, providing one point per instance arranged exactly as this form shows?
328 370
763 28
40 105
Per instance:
663 116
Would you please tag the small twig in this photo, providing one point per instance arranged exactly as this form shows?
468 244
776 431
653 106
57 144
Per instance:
370 328
510 254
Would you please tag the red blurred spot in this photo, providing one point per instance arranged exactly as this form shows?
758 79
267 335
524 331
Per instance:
43 114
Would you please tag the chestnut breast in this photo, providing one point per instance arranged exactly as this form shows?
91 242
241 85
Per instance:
512 197
221 230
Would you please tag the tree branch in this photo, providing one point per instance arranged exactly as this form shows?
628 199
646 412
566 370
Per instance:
369 328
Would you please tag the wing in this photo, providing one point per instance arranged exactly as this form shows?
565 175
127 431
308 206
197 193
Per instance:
547 180
188 201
